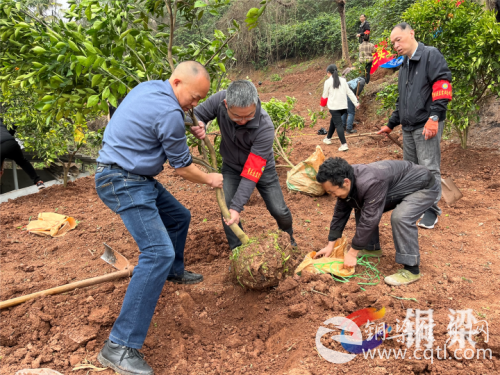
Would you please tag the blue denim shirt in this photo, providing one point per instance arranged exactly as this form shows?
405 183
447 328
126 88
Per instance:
146 130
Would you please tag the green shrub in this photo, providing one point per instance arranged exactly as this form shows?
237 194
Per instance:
276 78
388 97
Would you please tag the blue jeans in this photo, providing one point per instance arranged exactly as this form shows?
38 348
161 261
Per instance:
351 112
159 225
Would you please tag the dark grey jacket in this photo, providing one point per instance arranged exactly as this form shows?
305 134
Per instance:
238 141
361 30
414 105
377 187
6 135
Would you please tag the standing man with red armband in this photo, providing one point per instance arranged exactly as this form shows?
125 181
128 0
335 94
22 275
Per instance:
247 154
424 86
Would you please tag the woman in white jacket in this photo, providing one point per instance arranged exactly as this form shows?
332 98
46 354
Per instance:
335 94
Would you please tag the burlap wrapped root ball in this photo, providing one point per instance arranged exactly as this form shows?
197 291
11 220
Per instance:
263 262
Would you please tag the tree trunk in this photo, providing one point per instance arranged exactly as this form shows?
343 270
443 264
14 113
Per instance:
464 137
66 167
343 29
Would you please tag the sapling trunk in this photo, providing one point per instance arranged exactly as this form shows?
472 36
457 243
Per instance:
219 193
66 167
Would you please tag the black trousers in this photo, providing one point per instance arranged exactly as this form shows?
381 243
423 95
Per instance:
368 67
270 190
11 150
336 123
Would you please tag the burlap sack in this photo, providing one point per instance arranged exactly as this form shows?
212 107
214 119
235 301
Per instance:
302 177
51 224
332 264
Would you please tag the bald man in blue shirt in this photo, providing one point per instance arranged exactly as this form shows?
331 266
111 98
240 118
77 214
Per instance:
146 130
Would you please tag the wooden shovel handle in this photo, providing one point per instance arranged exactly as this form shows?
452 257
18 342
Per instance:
395 141
67 287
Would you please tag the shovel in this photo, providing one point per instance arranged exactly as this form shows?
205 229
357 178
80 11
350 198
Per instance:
110 256
449 190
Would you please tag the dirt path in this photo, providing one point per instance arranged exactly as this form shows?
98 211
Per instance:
216 327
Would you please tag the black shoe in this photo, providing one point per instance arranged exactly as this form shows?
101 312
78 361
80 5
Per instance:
40 185
351 131
124 360
429 219
187 278
292 241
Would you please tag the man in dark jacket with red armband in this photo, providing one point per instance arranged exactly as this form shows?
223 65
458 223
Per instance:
247 154
424 86
405 188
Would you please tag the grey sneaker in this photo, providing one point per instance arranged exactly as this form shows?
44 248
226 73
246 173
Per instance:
429 220
124 360
402 277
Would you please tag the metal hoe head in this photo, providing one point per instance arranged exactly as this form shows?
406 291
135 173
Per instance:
449 190
114 258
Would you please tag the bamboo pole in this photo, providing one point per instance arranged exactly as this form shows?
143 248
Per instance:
219 193
68 287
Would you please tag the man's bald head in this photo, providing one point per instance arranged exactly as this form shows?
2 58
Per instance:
190 68
403 39
190 82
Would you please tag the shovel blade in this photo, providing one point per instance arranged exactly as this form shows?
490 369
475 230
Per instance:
450 192
114 258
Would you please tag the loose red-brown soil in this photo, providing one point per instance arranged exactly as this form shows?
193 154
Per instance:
217 327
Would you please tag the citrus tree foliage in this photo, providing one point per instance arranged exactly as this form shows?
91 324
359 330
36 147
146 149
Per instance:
50 140
469 39
71 69
385 14
100 54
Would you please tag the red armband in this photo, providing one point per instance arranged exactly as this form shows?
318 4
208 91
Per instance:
323 102
254 167
441 90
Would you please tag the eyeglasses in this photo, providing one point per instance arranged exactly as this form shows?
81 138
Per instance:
238 118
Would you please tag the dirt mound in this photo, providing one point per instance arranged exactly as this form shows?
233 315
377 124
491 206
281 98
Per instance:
263 262
216 327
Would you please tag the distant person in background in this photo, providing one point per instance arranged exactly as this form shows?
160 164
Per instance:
365 26
335 93
366 51
356 85
10 149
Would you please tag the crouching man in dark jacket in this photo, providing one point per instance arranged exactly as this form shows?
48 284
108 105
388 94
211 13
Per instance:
372 189
247 154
